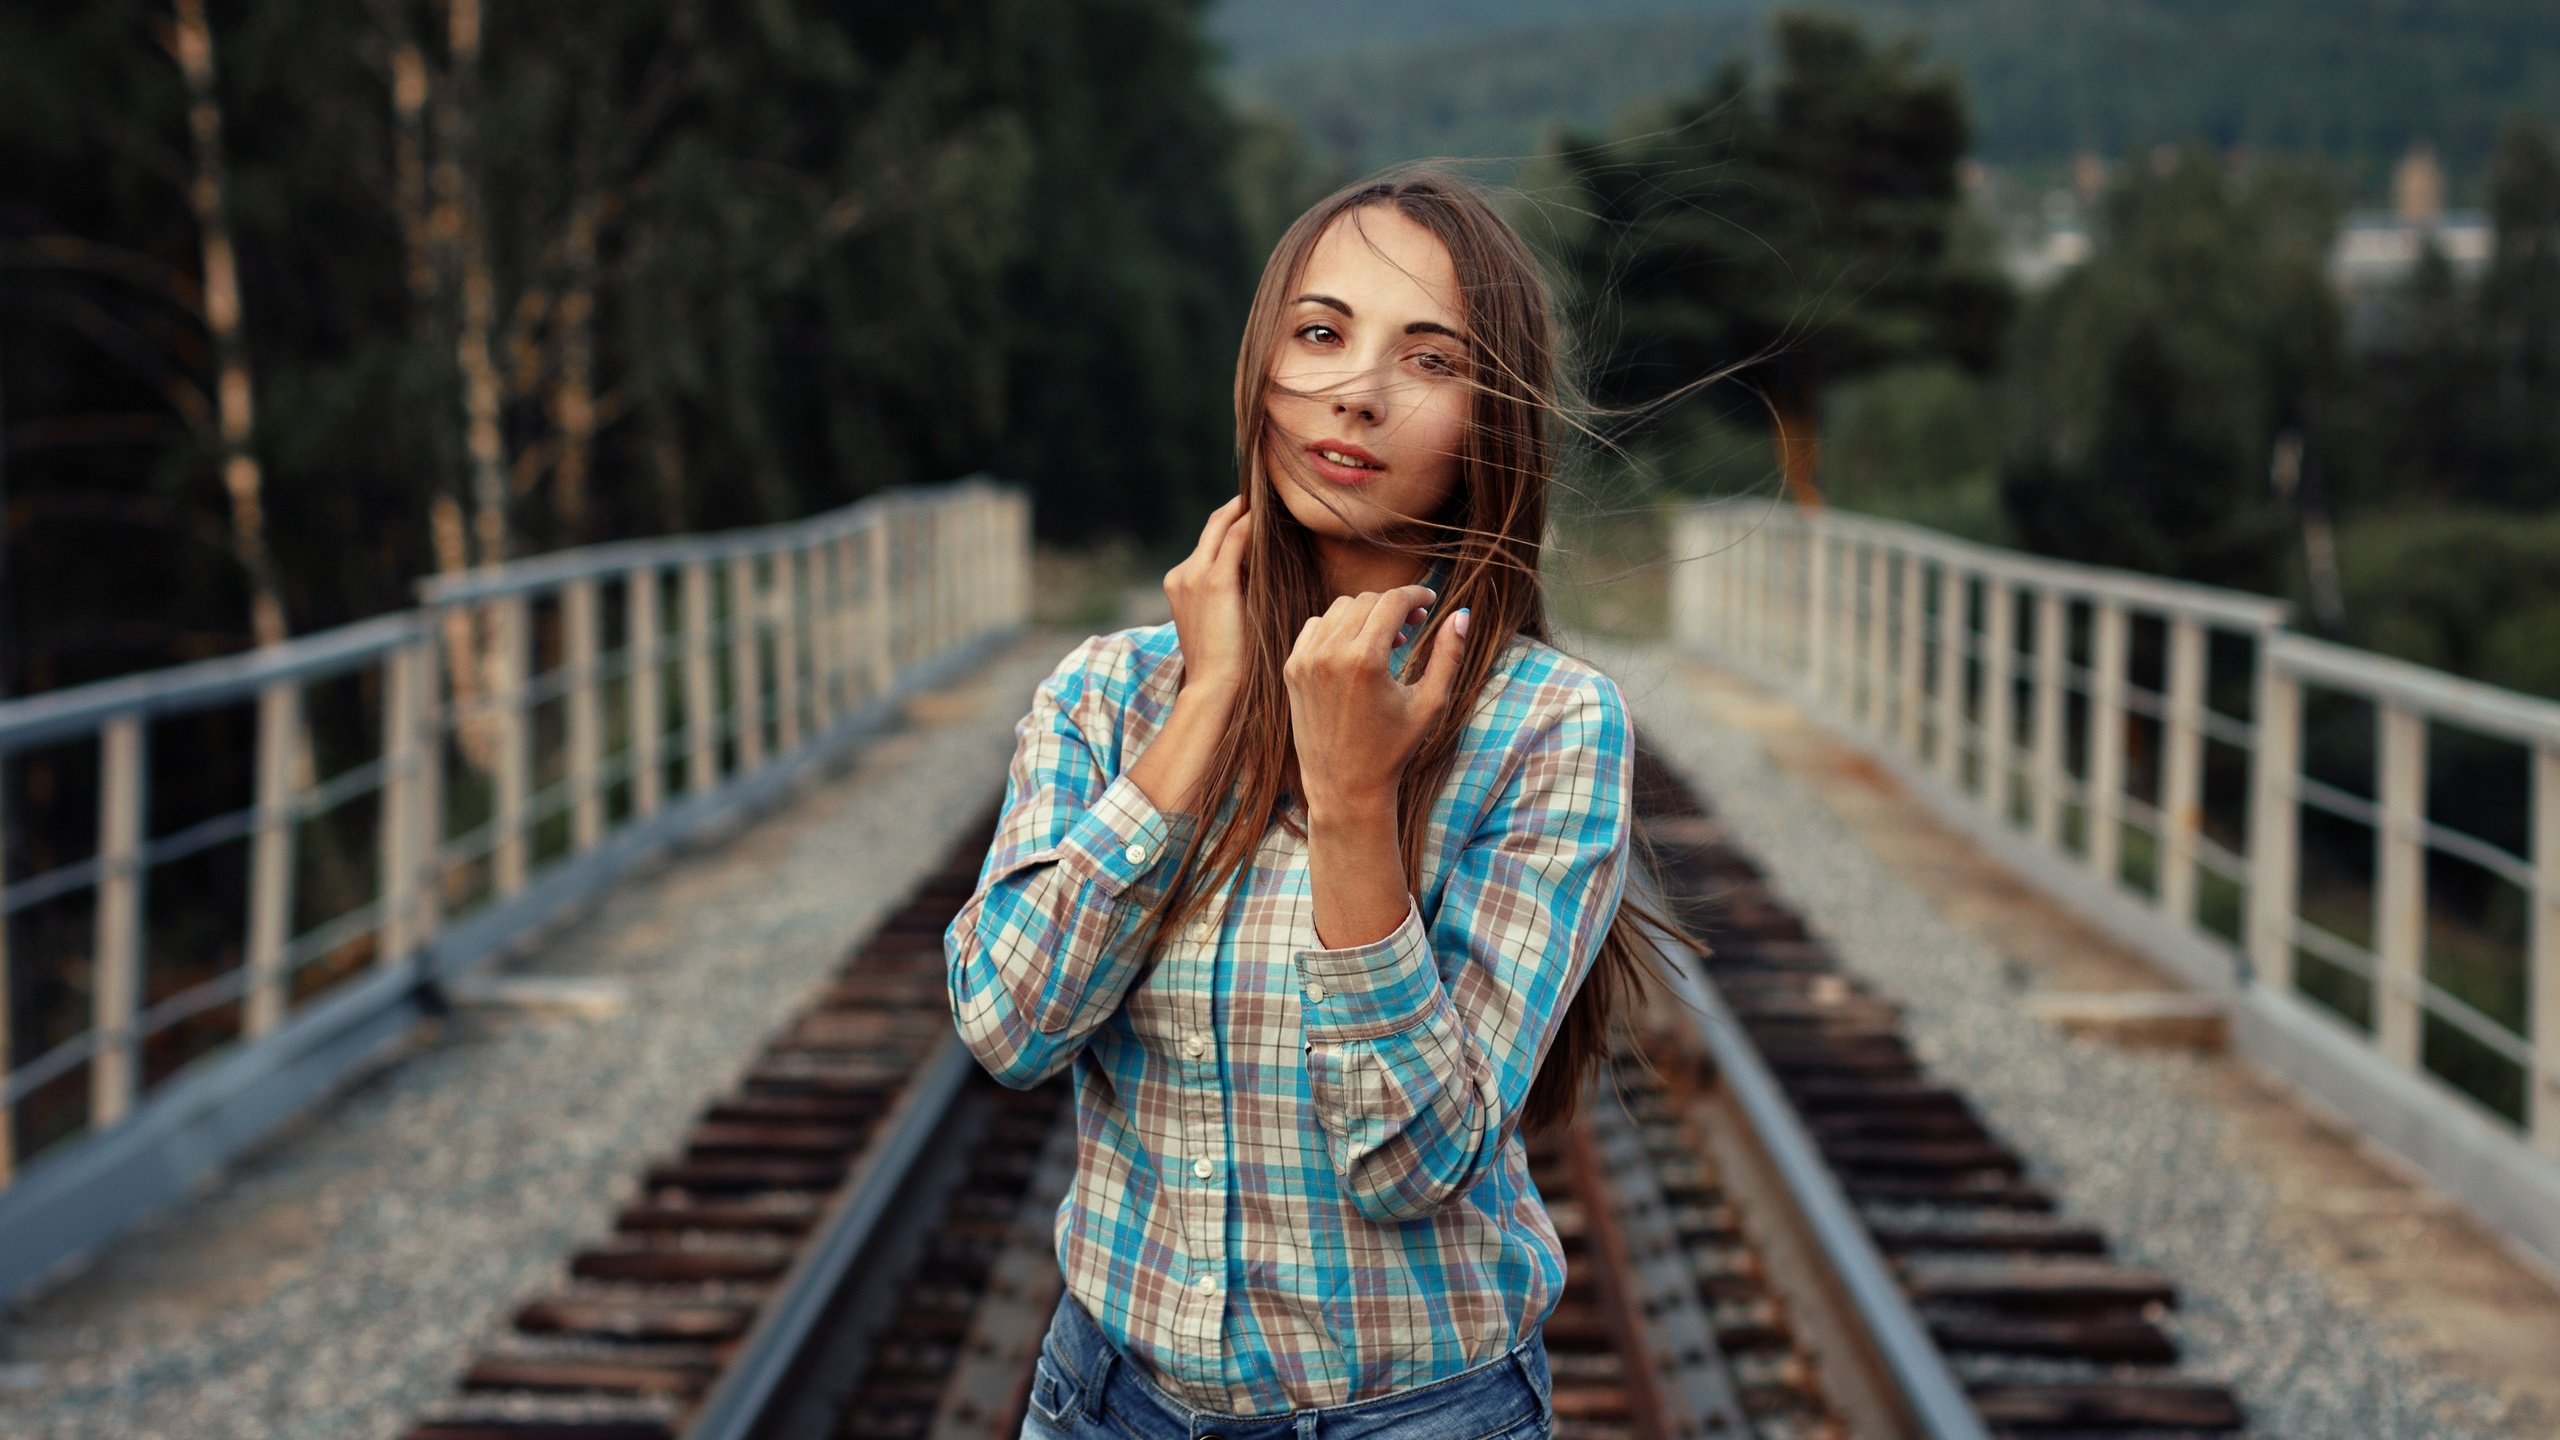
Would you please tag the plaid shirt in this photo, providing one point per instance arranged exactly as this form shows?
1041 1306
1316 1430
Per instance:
1299 1180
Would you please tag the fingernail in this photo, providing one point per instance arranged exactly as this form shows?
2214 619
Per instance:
1458 624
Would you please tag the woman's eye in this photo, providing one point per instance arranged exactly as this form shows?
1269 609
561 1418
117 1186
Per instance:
1433 361
1309 332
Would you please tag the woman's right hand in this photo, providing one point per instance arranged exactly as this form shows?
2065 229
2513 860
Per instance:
1207 593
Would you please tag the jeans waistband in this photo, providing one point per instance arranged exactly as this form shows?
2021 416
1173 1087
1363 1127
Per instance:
1489 1398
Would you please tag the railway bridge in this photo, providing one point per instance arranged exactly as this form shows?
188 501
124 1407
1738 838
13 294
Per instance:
521 1016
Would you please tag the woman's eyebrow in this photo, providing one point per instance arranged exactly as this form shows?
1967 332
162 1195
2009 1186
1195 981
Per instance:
1416 327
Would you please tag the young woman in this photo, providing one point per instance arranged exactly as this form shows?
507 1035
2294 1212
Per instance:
1318 887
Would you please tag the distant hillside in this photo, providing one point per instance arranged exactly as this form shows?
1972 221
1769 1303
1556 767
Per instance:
2354 80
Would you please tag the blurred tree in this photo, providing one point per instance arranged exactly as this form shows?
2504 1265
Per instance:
512 277
2429 381
1127 300
1802 237
2471 590
2149 388
2520 310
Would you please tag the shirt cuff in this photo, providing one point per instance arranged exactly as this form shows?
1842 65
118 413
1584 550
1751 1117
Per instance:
1122 837
1362 992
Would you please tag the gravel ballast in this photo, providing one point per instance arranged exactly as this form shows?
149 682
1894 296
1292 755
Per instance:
2110 1132
336 1283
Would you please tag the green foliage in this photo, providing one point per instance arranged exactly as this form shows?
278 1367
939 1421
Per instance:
2472 591
2520 314
1798 235
2352 80
2148 386
803 252
1130 294
1919 442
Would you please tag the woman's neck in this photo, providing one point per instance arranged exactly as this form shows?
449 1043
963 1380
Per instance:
1351 567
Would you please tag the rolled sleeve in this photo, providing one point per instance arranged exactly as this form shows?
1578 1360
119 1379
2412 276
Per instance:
1362 992
1081 860
1418 1082
1123 840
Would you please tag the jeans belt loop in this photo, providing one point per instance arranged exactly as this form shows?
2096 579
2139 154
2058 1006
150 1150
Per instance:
1091 1400
1307 1425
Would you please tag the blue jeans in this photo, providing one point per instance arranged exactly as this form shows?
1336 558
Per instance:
1084 1389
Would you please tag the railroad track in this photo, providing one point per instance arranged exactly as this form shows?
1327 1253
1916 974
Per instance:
2048 1336
1778 1228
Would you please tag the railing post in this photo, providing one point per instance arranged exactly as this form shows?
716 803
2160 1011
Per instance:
509 642
1954 600
115 1069
645 622
974 572
1690 581
2542 1099
826 654
1751 646
786 648
1025 551
746 663
2275 761
2109 630
2400 904
271 858
1911 687
1817 653
2182 773
946 534
2053 641
701 691
1878 615
856 634
407 684
435 717
578 617
879 624
921 575
1999 690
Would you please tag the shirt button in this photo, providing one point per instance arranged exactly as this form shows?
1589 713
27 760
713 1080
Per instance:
1195 1047
1315 994
1135 852
1206 1284
1199 931
1202 1168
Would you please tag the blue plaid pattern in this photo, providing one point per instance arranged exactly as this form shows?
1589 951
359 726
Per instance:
1298 1175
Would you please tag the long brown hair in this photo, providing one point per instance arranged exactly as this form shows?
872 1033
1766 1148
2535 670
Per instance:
1489 534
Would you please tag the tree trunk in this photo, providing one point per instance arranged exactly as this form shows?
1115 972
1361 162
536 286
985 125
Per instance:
424 200
190 43
1792 411
458 207
573 398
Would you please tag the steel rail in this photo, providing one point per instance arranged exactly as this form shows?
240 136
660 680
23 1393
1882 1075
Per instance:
741 1404
1920 1389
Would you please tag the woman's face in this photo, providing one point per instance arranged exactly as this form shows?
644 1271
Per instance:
1370 394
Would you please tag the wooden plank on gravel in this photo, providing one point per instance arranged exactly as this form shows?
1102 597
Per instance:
2099 1405
2109 1339
2043 1285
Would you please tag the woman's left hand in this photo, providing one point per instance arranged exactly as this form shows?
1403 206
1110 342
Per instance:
1354 723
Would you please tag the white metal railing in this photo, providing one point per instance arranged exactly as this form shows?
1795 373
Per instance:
2142 743
524 718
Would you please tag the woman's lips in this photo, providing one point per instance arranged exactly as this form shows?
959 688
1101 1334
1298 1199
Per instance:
1339 473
